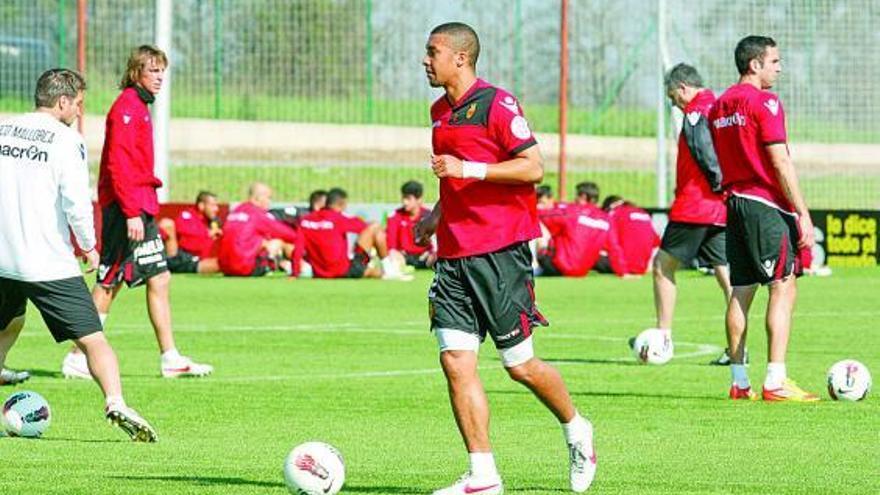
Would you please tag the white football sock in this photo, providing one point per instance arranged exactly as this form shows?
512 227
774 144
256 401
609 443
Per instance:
389 267
739 376
775 375
170 356
483 465
114 400
574 429
103 318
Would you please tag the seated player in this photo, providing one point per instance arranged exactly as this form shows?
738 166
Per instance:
575 236
632 239
401 225
253 240
317 200
189 238
324 243
587 196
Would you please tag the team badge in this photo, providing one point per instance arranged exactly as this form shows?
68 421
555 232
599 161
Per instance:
520 128
693 118
773 106
471 111
126 119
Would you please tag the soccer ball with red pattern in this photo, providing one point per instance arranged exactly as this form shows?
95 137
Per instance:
848 380
314 468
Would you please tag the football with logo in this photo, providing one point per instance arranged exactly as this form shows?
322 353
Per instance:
26 414
314 468
652 346
849 380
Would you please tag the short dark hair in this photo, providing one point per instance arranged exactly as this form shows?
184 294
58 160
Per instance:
682 74
751 48
412 188
589 190
544 191
462 37
55 83
610 200
204 195
335 196
316 195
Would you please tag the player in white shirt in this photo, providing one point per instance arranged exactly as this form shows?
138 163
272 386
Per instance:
44 195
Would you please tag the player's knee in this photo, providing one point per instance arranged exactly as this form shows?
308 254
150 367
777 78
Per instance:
160 281
167 225
524 373
458 365
518 362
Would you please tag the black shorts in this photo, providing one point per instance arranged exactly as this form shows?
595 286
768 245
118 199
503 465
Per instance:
66 306
760 243
128 261
358 264
687 241
183 262
545 261
419 261
490 293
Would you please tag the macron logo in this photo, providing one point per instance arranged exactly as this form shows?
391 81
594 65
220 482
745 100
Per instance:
693 118
773 106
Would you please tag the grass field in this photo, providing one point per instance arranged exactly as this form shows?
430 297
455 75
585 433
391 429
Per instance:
352 363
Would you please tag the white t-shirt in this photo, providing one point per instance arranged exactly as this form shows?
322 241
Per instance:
44 194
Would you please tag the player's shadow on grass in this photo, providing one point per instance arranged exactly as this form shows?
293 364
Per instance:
205 480
637 395
45 373
378 489
618 361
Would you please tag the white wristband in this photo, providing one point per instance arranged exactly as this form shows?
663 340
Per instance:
473 170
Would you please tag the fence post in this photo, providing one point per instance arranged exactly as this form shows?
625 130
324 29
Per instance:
62 33
162 108
563 95
368 62
662 166
81 34
218 58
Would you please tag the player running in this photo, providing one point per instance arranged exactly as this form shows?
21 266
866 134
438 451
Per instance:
131 247
767 217
698 215
44 196
487 161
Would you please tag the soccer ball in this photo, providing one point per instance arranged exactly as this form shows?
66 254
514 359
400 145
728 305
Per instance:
26 414
848 380
652 347
314 468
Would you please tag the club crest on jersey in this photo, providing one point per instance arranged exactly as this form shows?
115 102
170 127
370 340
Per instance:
693 118
472 109
520 128
773 106
509 103
126 119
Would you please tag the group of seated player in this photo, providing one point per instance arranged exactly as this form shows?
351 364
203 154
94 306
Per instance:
255 240
581 236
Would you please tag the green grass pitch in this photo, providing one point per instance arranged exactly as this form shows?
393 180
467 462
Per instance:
352 363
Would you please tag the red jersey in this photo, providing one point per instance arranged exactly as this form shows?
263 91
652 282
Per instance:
194 233
577 237
246 227
631 241
744 121
401 232
485 125
126 175
695 201
325 240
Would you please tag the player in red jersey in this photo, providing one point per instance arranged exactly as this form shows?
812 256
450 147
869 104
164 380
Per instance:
587 196
253 240
401 225
576 237
132 250
487 161
767 217
325 243
698 214
190 238
632 239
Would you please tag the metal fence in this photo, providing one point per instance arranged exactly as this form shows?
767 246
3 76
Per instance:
357 62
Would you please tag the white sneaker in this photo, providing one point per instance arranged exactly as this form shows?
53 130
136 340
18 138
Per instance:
75 365
582 461
131 423
399 277
185 367
10 377
469 485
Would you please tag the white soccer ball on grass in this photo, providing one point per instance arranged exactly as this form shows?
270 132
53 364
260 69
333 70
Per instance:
652 346
848 380
26 414
314 468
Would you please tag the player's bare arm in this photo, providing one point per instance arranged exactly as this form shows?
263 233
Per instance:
789 182
527 167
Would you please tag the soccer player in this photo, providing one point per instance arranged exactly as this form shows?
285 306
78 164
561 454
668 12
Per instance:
190 238
325 242
44 196
253 238
576 237
317 200
400 229
587 196
487 161
698 214
132 250
632 239
767 218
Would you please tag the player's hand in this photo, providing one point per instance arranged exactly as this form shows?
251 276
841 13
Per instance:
91 259
447 166
425 229
135 228
808 237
